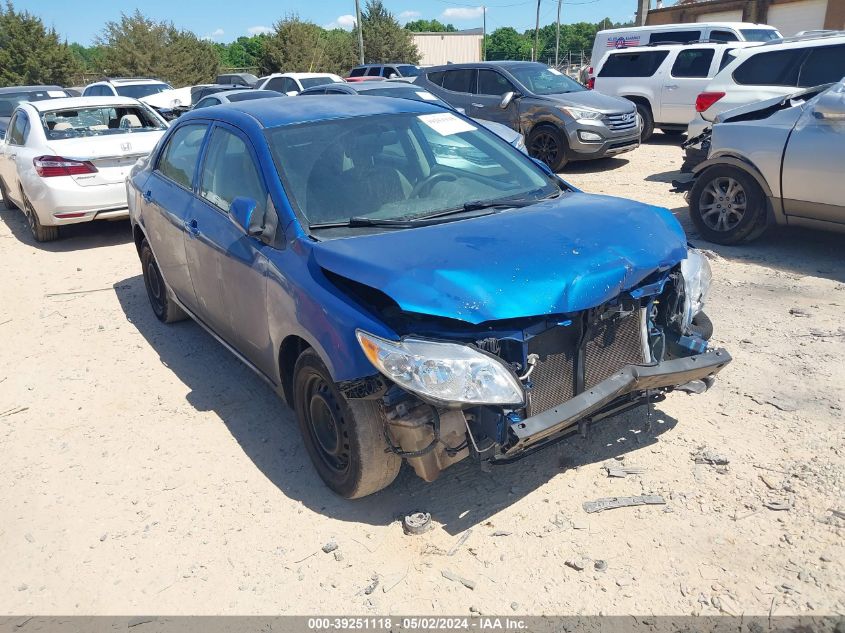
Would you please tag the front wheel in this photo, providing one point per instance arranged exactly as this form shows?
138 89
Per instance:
727 205
546 143
648 121
162 304
344 438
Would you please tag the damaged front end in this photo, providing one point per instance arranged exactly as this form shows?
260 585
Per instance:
499 390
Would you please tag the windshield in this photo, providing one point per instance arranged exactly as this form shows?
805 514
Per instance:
11 100
399 167
310 82
409 71
760 35
99 121
141 90
542 80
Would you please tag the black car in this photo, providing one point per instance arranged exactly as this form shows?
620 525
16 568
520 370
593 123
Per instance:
11 96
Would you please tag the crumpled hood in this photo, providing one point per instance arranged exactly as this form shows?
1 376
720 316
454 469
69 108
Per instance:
559 256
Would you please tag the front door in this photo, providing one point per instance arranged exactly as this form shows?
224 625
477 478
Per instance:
486 101
10 157
458 85
814 161
167 194
228 267
687 77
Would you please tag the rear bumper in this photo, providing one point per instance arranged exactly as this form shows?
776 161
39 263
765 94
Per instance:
59 201
606 397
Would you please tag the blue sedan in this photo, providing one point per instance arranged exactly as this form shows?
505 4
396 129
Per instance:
413 286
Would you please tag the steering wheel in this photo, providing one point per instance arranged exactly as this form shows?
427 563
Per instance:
428 182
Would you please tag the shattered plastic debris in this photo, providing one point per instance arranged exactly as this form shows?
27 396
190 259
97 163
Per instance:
610 503
417 523
709 456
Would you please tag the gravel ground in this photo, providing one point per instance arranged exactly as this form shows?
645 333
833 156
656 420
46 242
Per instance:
147 472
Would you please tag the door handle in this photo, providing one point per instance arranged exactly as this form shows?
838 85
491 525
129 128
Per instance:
671 86
147 196
477 105
192 227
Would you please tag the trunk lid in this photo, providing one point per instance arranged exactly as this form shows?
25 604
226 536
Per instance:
113 154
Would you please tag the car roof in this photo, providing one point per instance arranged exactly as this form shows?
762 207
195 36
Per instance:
384 85
269 113
81 102
683 47
9 89
238 91
385 64
688 25
778 45
502 64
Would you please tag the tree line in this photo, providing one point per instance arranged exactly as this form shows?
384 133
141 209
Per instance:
135 45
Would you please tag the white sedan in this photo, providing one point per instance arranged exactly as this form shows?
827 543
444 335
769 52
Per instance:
64 161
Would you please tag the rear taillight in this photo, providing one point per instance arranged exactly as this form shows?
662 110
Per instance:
590 70
707 99
49 166
591 83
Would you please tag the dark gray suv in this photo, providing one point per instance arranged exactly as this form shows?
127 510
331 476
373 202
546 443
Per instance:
561 120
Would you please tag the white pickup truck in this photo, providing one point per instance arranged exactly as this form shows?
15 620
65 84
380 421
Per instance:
664 80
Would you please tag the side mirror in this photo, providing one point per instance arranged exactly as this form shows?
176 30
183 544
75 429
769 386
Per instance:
393 76
830 108
244 212
506 99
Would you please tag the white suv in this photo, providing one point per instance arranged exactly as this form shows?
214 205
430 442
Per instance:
663 81
125 87
293 83
770 70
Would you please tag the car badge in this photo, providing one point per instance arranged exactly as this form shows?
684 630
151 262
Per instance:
126 146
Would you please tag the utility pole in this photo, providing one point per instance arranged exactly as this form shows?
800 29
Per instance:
557 32
535 53
483 33
360 32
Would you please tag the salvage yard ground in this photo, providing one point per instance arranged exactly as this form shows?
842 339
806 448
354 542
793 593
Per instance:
145 470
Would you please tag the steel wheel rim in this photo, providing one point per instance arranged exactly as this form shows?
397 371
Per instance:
155 286
544 147
326 425
722 204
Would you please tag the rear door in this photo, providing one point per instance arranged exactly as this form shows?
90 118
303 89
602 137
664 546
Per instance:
9 152
686 78
166 198
228 267
458 86
814 161
490 87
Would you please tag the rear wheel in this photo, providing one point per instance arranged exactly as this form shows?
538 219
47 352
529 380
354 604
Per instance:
727 205
40 232
648 121
344 438
162 304
7 201
546 143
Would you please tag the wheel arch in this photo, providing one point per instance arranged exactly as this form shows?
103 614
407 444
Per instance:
289 351
773 205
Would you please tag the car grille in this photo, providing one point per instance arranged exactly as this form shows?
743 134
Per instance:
608 348
621 121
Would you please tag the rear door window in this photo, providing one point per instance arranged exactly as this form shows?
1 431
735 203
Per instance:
678 37
727 58
694 62
436 78
773 68
825 64
389 70
640 64
357 72
229 172
276 83
492 83
723 36
18 129
459 80
375 71
178 161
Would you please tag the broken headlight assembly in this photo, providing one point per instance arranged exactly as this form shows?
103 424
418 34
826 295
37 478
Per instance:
447 373
697 276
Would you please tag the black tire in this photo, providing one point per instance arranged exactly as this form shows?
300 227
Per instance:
727 205
161 302
40 232
546 143
344 438
648 121
671 132
7 202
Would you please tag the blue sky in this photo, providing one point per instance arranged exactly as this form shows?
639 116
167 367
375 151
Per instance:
227 20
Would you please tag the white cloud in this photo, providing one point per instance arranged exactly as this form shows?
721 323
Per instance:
345 22
216 34
406 16
462 13
258 30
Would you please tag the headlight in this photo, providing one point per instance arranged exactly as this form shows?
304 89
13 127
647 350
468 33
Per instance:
520 143
697 277
581 113
443 372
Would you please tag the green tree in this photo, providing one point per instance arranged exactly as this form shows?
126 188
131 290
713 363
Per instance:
507 43
139 46
89 57
384 38
299 46
430 26
31 53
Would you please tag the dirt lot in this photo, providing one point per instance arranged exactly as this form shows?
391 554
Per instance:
146 471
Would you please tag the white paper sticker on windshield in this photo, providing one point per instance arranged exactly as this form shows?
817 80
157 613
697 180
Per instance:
555 71
56 93
446 123
426 95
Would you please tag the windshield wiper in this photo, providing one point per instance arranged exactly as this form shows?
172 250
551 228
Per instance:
358 221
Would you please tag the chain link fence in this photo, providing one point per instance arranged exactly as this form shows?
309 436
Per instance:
573 63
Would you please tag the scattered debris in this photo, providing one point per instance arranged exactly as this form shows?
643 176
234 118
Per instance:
709 456
611 503
600 565
837 513
501 533
338 556
13 411
777 505
798 312
369 589
391 581
6 321
575 564
448 575
80 292
137 621
329 547
623 471
769 483
475 610
460 542
416 523
29 537
580 525
514 606
104 536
